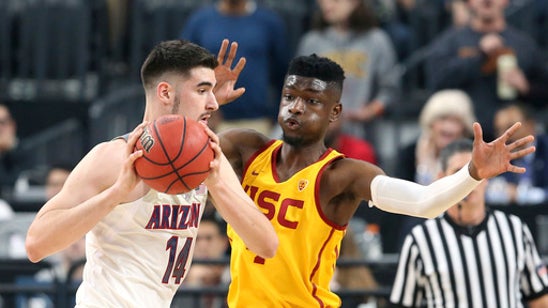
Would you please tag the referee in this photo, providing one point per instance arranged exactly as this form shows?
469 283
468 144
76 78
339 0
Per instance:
471 256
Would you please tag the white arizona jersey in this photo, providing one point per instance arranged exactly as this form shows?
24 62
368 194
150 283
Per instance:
138 254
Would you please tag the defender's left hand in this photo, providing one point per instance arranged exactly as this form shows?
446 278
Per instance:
493 158
226 75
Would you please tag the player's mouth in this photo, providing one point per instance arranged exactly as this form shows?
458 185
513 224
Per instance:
292 123
204 118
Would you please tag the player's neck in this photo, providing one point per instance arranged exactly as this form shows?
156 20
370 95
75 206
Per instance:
293 157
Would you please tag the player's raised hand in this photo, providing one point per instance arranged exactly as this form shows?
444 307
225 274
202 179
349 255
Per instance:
493 158
226 75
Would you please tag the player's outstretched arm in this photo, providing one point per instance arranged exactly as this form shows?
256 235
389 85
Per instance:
236 207
488 160
97 184
226 75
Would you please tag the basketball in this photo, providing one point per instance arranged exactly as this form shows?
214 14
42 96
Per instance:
176 154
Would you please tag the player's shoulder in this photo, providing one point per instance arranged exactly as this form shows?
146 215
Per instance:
114 145
350 170
108 152
99 168
357 165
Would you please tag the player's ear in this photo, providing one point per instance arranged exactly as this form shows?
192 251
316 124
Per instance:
163 90
335 112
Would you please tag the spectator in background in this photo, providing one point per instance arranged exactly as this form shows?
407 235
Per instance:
56 177
471 256
447 116
6 212
349 145
460 13
63 261
211 244
356 277
532 186
467 58
12 160
541 10
12 163
419 21
346 32
262 38
390 17
62 271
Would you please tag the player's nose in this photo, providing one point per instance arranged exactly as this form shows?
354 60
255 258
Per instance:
212 103
297 106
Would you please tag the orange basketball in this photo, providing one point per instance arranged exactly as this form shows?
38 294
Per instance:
176 154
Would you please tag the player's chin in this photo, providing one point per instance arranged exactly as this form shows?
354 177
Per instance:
291 139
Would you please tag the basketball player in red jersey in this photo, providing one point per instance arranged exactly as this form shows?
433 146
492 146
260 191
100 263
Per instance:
140 242
310 192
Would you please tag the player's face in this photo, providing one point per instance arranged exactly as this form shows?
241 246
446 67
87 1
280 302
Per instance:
194 95
306 108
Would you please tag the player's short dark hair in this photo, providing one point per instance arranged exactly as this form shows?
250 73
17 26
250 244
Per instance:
178 56
317 67
463 145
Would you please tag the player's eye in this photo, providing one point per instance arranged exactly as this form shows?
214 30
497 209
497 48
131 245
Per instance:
288 97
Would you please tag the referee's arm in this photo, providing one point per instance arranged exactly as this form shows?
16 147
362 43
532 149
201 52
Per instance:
534 277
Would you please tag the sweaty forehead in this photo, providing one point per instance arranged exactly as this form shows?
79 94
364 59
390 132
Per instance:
308 83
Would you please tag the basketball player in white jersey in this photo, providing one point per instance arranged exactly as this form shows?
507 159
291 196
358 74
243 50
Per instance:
139 242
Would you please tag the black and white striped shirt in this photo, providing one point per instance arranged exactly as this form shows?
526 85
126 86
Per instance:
496 264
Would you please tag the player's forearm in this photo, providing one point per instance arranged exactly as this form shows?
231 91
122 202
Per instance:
56 227
245 218
404 197
241 213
